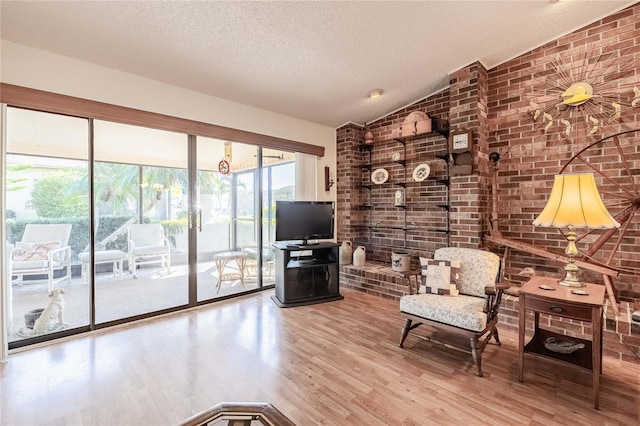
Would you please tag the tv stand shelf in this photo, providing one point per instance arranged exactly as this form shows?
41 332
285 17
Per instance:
306 274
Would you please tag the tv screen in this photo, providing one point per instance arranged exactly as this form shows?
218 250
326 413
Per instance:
304 220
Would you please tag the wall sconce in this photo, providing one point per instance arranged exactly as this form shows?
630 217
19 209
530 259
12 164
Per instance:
328 182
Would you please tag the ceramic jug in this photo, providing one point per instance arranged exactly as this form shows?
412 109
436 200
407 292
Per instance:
400 261
359 256
346 252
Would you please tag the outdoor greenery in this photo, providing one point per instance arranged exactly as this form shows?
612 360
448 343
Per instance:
121 191
79 238
57 195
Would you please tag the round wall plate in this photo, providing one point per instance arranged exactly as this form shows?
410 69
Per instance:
421 172
379 176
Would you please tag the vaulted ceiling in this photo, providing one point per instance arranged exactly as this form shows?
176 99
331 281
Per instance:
311 60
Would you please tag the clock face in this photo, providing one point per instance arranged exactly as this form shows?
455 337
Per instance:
460 141
223 167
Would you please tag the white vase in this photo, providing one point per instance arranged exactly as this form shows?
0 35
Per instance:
346 252
359 256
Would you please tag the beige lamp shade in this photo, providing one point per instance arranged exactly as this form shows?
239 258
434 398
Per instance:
575 201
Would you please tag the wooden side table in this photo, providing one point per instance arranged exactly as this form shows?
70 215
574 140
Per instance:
561 302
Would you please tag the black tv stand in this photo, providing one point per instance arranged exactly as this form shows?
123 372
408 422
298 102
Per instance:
306 274
302 245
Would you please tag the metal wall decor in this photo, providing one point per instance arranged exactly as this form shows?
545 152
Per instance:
583 92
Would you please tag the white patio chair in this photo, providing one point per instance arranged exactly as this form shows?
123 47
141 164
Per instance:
43 250
147 244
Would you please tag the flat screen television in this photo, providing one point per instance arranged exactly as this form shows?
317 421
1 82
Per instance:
304 221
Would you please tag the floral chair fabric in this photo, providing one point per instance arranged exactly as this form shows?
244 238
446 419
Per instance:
461 311
478 268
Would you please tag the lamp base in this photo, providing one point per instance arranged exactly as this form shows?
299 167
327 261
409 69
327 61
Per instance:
571 277
570 283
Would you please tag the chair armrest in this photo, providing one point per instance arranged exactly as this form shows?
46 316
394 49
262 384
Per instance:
54 253
492 289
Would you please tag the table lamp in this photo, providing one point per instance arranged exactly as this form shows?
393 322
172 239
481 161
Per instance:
574 202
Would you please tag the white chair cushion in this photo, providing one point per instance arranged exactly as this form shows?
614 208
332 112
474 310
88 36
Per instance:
104 256
32 264
148 250
146 234
462 311
36 232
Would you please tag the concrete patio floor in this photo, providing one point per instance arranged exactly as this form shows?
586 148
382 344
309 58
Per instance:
116 298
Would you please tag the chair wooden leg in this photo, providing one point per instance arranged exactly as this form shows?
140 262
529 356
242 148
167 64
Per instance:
477 356
405 331
495 336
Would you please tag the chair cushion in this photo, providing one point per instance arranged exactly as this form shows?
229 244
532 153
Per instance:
148 250
104 256
439 275
24 252
462 311
31 265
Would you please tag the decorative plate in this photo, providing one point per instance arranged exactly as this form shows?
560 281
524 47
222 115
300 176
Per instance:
379 176
396 156
580 292
421 172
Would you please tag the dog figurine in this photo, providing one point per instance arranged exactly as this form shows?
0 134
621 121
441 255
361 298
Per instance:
52 318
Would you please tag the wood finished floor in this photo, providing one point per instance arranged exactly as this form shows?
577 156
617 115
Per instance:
335 363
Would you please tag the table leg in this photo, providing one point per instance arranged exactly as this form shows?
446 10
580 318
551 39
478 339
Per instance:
596 353
220 264
521 331
242 264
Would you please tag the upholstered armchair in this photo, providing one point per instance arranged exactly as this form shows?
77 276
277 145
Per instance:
147 244
472 313
43 250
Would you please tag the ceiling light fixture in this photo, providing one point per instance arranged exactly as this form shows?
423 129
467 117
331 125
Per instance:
375 93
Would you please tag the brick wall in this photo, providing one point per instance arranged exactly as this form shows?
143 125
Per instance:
496 105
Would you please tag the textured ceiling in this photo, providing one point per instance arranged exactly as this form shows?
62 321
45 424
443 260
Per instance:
311 60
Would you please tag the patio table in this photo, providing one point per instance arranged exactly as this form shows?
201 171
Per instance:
222 260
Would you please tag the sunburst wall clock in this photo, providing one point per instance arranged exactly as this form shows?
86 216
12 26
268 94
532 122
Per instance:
584 91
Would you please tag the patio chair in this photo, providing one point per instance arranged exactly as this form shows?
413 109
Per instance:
43 250
472 314
268 259
147 244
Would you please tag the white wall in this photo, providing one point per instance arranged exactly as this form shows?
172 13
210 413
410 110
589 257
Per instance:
25 66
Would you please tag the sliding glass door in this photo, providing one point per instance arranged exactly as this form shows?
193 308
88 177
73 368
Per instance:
47 223
124 222
141 205
225 218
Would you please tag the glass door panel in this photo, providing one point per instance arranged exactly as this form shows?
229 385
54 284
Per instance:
140 196
278 184
47 226
224 218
